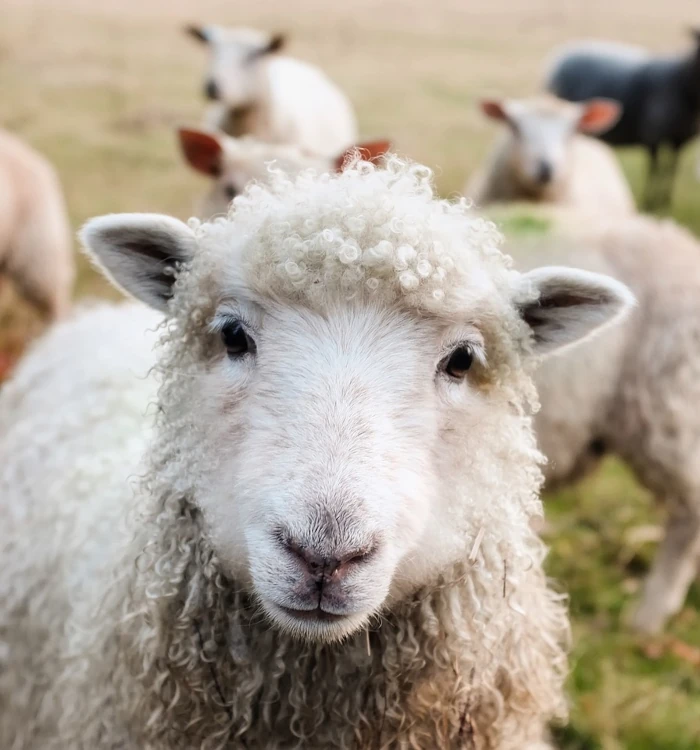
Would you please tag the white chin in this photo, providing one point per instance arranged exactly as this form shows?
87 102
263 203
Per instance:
314 626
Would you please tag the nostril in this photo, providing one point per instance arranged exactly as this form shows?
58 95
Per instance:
322 566
544 173
211 90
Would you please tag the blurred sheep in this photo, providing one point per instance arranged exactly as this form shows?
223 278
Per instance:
35 237
633 390
275 98
234 162
542 156
660 97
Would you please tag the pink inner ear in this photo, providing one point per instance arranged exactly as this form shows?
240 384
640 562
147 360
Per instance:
599 115
494 109
369 151
202 151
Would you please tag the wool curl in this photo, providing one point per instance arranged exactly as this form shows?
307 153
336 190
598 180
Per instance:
179 655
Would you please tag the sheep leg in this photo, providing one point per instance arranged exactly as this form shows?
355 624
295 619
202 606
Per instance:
651 189
668 179
673 570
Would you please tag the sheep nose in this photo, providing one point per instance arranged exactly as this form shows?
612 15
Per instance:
211 90
544 173
321 569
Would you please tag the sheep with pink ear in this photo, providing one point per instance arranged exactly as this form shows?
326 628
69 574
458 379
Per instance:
275 98
320 534
546 156
232 163
35 241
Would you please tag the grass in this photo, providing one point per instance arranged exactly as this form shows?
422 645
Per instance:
99 87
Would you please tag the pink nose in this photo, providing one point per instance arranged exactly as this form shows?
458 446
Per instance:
322 569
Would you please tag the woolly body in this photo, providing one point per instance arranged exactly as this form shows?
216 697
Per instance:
166 645
627 392
35 243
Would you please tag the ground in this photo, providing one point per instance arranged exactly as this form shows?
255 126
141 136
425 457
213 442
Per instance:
99 87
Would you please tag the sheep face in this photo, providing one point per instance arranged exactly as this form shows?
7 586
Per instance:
348 409
235 56
541 130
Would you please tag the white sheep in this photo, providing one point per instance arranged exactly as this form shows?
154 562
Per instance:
542 157
234 162
328 544
272 97
631 392
35 239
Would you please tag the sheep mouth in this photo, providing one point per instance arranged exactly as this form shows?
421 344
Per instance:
312 615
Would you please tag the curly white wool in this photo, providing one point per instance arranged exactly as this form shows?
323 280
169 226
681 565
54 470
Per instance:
164 645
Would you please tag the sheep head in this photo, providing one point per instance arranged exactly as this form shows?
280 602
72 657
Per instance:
540 132
232 163
234 54
346 384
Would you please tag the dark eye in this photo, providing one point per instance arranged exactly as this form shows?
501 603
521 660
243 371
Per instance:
230 192
458 363
236 340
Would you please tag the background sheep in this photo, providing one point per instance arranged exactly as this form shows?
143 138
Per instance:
98 88
628 391
35 243
234 162
296 476
275 98
660 98
542 158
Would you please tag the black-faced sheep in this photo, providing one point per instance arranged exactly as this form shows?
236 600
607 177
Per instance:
329 542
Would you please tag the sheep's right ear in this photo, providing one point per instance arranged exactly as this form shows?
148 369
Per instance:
198 32
495 109
202 151
599 116
140 253
564 305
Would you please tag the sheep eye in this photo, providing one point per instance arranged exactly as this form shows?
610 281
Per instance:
230 192
458 363
236 340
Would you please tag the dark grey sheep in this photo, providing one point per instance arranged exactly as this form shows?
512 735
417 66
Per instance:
660 98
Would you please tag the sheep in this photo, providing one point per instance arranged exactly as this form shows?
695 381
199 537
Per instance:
35 238
660 97
543 158
350 359
234 162
630 391
275 98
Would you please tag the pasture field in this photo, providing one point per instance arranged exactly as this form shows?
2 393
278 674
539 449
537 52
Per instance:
99 85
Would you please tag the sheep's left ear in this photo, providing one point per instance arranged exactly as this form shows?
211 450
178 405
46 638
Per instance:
368 151
565 305
140 253
199 33
276 43
599 115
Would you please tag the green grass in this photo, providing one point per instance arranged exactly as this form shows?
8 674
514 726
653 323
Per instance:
623 698
99 87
